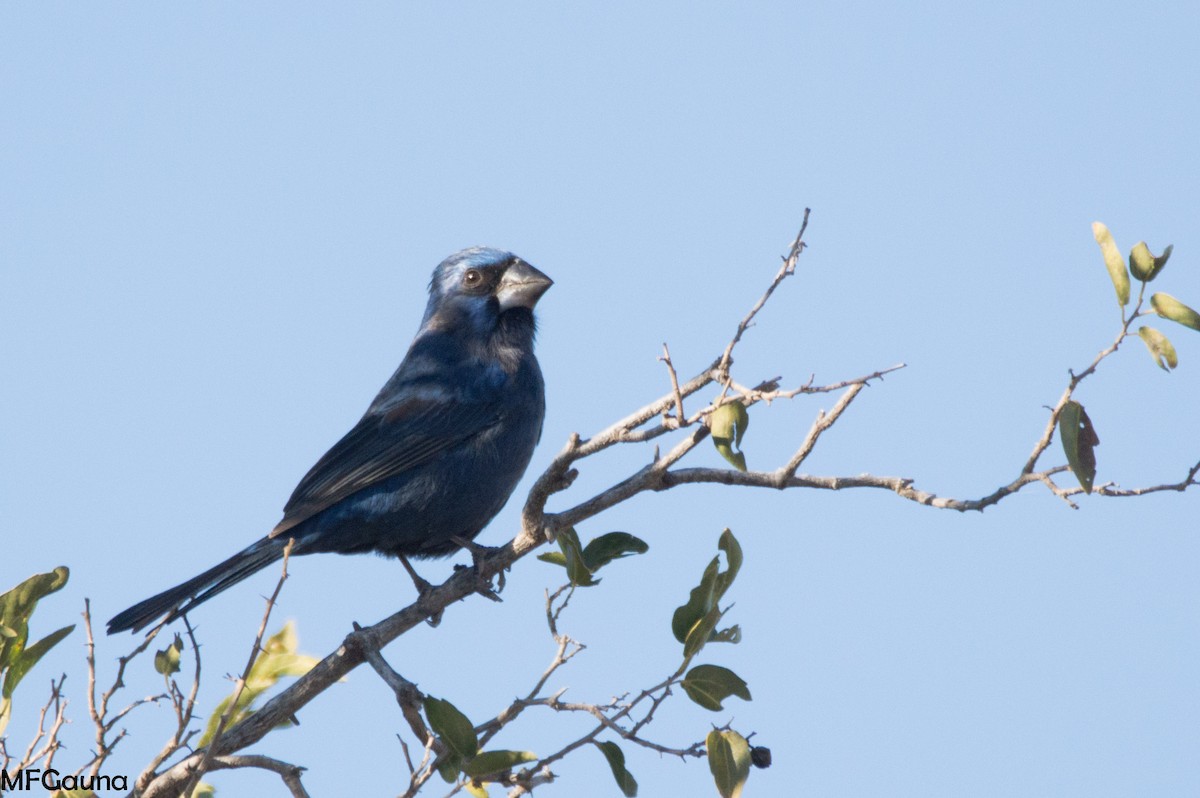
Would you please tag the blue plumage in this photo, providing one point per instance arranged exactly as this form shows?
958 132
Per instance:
437 453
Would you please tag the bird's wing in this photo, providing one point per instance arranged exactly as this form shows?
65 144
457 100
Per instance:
383 445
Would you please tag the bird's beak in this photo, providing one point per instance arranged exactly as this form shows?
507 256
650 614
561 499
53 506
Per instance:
521 286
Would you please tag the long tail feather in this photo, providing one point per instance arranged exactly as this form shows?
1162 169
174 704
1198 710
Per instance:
182 598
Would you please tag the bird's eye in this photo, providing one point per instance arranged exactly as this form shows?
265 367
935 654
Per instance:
473 278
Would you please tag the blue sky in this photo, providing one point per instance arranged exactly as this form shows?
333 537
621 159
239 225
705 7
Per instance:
216 227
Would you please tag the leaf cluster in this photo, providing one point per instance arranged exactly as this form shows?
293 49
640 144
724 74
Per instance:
1076 431
17 656
279 658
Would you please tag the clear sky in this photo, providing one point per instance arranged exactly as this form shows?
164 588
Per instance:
217 222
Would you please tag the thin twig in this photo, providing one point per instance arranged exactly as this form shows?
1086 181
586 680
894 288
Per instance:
788 268
207 759
289 773
680 417
537 525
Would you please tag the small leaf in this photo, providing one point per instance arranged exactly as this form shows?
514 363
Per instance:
456 731
1079 441
18 603
277 659
694 623
709 685
1160 261
728 424
554 558
1113 262
729 761
166 661
490 762
30 656
1171 308
733 557
1160 348
701 633
449 766
700 602
577 567
731 635
1143 264
475 789
611 546
16 609
17 606
616 761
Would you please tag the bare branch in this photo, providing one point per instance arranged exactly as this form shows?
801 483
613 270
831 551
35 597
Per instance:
1052 422
206 760
98 708
408 696
184 709
822 423
663 473
33 753
288 772
787 270
680 417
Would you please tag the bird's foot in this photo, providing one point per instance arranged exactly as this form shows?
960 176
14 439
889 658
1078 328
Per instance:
424 588
483 585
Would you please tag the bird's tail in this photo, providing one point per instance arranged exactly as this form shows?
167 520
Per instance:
182 598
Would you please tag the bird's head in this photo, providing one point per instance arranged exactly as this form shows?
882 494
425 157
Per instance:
483 290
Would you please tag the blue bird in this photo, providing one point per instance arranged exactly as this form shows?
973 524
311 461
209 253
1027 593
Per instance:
437 453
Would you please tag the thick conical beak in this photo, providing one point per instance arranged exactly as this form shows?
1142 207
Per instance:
521 286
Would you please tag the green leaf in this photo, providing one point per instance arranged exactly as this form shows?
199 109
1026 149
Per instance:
616 761
709 685
16 609
1079 441
1113 262
612 546
1143 263
694 623
475 789
166 661
456 731
729 761
277 659
449 767
1171 308
731 635
30 656
701 633
1160 348
490 762
591 558
577 567
700 602
17 606
733 557
728 424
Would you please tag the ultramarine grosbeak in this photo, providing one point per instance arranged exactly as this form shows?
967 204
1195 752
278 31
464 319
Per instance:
437 453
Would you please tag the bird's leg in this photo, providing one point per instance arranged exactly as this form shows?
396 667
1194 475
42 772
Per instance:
423 589
478 553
